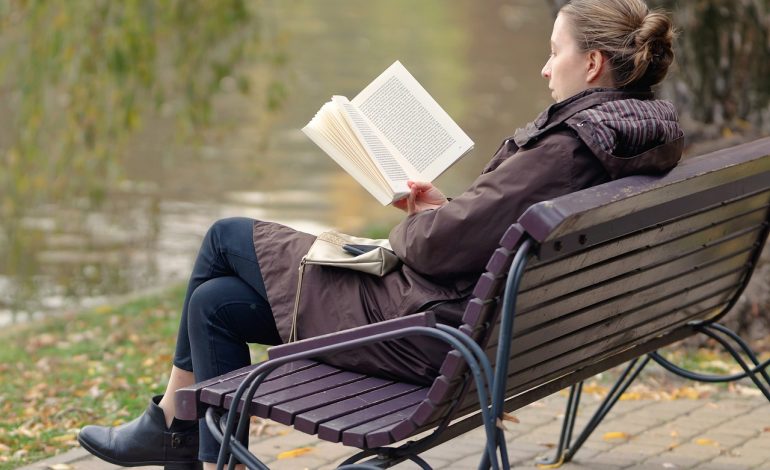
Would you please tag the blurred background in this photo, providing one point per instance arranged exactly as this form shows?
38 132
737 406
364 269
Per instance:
126 128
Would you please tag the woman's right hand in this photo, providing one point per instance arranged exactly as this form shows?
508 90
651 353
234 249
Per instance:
422 196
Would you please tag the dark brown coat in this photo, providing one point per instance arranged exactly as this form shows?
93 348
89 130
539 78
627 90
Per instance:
445 250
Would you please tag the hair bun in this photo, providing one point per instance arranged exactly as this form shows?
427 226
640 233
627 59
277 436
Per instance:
654 43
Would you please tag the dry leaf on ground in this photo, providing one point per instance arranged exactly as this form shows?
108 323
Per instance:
615 435
290 454
704 441
60 466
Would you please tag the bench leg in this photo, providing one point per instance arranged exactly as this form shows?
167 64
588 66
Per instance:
722 334
566 450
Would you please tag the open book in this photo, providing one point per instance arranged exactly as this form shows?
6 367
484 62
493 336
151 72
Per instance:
393 131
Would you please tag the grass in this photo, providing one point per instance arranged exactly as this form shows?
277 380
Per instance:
95 367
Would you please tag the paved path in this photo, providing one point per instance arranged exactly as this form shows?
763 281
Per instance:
728 431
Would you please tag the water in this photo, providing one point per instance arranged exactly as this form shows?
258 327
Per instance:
480 60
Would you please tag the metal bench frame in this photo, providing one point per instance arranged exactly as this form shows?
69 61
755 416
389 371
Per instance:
556 232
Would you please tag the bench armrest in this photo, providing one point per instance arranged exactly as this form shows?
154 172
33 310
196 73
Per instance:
418 319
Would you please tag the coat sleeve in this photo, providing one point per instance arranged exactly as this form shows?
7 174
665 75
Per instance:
459 237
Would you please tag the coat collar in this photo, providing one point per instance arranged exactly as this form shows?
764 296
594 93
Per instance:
558 113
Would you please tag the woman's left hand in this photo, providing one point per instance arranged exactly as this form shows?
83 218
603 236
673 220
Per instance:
423 196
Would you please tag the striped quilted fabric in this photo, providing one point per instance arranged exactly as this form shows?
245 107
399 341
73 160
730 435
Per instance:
631 125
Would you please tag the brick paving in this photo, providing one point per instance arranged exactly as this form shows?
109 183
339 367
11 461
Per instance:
726 431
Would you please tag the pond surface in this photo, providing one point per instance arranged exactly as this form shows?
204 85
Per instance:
480 60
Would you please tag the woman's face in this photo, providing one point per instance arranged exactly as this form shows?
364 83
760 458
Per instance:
567 67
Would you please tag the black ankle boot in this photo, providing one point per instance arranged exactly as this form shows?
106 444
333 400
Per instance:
145 441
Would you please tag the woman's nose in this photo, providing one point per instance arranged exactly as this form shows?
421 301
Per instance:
546 72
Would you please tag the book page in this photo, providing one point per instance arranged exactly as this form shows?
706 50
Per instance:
379 149
413 122
330 130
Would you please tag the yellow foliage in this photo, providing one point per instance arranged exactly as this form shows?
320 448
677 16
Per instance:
616 435
290 454
704 441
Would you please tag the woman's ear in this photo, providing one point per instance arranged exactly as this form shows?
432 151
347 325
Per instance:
598 69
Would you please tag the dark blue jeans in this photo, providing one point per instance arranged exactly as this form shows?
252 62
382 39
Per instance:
225 308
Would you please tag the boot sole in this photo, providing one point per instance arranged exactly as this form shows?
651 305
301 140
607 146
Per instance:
167 465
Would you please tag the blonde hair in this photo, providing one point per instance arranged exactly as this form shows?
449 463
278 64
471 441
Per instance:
637 42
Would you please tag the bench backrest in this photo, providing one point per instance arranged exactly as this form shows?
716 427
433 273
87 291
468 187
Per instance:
618 270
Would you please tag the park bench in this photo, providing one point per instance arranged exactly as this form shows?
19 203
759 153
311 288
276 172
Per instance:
579 285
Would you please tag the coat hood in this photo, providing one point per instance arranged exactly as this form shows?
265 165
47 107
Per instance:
628 131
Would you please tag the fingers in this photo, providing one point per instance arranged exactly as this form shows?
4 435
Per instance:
420 185
411 203
400 204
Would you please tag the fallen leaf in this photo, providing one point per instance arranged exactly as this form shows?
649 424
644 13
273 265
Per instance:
510 418
672 446
688 393
290 454
668 465
767 429
259 426
61 466
704 441
594 389
631 396
747 391
614 435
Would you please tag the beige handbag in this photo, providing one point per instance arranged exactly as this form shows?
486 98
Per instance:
340 250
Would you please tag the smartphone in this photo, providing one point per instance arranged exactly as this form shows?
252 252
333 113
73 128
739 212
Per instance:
359 249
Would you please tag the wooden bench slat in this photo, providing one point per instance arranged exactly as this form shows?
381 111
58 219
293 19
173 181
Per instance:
696 183
663 294
261 405
285 412
611 343
522 381
500 262
331 430
645 285
598 317
646 297
478 311
368 434
187 399
301 377
637 325
642 258
525 358
538 273
512 237
308 421
579 323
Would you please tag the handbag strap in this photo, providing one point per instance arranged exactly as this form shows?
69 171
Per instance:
293 331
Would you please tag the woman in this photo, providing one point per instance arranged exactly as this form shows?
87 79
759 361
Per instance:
605 124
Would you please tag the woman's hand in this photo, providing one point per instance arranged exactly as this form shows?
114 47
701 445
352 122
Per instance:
422 196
